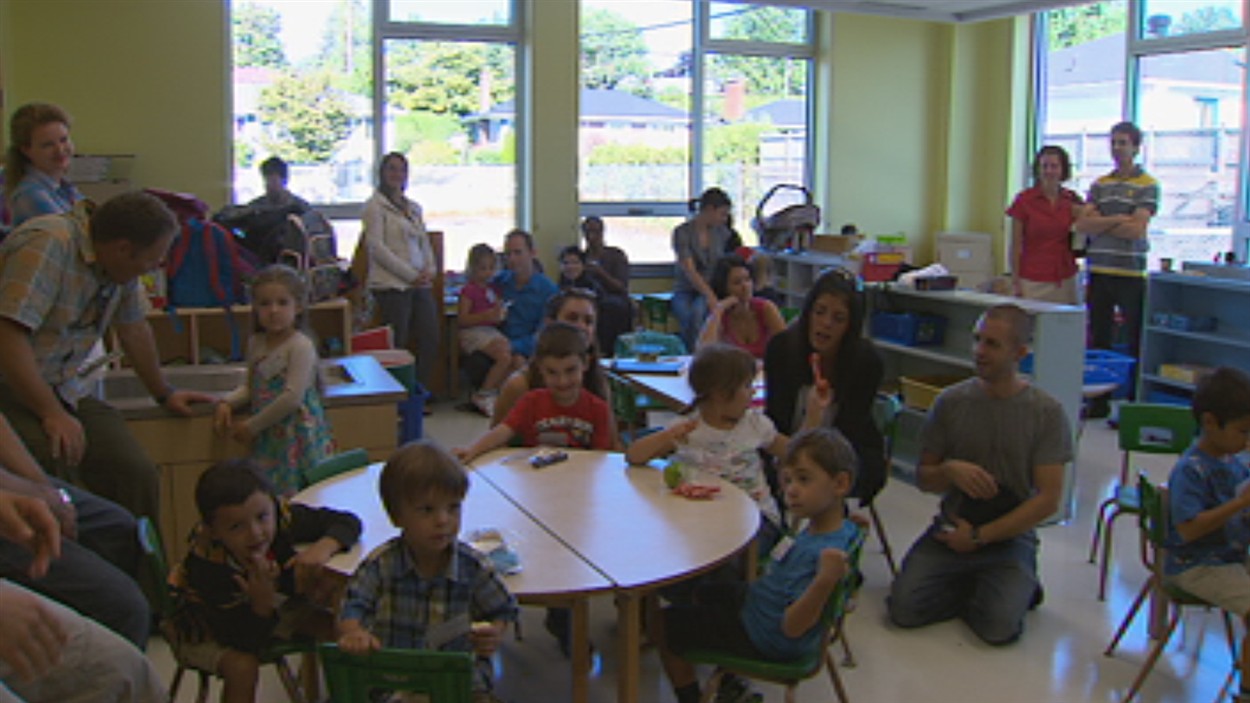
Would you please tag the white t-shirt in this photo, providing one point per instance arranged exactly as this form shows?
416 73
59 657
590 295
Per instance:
734 456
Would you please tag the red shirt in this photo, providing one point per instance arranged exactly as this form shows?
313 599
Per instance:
1046 254
541 422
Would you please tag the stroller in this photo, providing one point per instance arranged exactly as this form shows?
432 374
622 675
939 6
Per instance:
789 226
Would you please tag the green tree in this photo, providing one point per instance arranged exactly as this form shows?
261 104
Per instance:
256 41
448 77
614 55
1206 19
345 47
310 117
776 77
1071 26
736 143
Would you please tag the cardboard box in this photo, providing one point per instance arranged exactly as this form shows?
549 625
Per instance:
965 251
835 243
1185 373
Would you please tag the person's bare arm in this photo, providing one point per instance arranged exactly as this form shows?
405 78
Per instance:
1048 481
1017 248
20 369
493 439
140 346
803 614
660 443
1208 521
1135 226
510 392
937 475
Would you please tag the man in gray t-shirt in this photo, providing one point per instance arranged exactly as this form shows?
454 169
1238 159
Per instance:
995 447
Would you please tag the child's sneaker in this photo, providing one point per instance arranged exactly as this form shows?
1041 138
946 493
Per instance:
735 689
485 403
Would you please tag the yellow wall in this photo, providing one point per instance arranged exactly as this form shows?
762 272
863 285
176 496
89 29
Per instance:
142 77
925 119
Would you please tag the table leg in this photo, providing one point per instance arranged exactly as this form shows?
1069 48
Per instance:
581 650
628 613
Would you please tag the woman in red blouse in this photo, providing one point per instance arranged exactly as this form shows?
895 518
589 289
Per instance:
1041 223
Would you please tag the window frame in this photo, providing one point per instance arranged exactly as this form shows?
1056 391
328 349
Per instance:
702 47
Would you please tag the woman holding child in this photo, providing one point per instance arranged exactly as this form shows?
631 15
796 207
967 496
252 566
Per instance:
825 347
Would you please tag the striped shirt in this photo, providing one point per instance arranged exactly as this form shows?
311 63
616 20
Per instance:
1115 195
51 284
390 599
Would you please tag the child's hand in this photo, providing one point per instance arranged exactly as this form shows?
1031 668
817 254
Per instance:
242 433
464 454
485 637
820 398
309 565
221 419
861 520
681 430
359 641
725 305
832 565
260 582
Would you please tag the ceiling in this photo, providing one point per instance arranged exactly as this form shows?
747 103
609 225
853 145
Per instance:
933 10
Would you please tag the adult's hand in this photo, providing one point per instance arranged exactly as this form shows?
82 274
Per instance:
958 539
30 636
65 437
28 521
971 478
57 500
180 401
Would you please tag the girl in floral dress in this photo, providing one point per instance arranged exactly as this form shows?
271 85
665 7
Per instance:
287 430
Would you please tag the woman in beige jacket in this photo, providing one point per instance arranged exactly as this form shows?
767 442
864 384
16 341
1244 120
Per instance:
402 264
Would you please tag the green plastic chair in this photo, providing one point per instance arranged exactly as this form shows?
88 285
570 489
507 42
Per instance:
791 673
276 654
788 313
442 677
335 465
1148 428
1152 518
655 312
885 410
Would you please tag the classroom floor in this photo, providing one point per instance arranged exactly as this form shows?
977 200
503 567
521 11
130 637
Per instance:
1059 657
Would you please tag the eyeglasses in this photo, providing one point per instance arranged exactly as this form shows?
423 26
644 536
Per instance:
855 282
579 292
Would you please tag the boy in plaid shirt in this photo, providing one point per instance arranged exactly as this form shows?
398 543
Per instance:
425 589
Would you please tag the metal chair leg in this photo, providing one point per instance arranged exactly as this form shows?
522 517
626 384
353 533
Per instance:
1098 523
881 536
1155 650
1128 617
1104 565
835 678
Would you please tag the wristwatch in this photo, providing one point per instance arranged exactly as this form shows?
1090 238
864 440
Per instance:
976 537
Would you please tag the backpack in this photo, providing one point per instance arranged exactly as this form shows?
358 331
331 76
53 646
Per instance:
204 268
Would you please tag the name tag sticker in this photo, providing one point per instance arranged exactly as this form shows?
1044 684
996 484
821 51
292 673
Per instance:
782 548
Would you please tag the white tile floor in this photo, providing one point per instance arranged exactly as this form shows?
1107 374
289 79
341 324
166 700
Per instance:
1058 659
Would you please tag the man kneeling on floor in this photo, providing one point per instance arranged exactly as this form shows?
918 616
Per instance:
995 446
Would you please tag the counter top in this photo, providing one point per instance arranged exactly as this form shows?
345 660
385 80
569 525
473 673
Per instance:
346 381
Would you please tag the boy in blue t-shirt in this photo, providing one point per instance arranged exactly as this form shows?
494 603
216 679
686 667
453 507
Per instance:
1209 494
777 616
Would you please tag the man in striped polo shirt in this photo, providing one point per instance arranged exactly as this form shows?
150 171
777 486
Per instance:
1116 219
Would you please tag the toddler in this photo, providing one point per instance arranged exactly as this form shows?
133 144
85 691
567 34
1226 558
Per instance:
479 313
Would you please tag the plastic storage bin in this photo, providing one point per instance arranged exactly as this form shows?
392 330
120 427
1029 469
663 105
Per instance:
909 328
1101 366
920 391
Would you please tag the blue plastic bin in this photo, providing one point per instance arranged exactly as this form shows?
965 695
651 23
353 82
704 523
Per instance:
909 328
1101 366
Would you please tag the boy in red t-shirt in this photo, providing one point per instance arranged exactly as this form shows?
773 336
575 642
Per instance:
563 414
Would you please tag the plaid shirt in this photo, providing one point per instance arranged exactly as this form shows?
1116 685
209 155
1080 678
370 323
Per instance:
398 606
40 194
51 284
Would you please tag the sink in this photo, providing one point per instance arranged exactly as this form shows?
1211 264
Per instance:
125 385
336 374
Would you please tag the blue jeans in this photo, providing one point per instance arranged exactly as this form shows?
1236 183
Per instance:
991 588
690 308
93 574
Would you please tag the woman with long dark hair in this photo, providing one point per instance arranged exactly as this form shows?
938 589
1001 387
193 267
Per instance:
826 344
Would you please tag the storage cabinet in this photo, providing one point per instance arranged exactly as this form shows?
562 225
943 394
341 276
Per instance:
1186 296
1058 356
203 335
795 273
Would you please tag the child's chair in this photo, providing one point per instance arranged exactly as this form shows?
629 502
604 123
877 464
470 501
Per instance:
434 677
1152 517
791 673
154 556
1149 428
335 465
654 311
885 410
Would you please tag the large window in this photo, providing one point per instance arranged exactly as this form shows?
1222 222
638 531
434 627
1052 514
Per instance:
1176 68
313 79
671 83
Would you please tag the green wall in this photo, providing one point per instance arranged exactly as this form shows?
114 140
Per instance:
142 77
925 120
